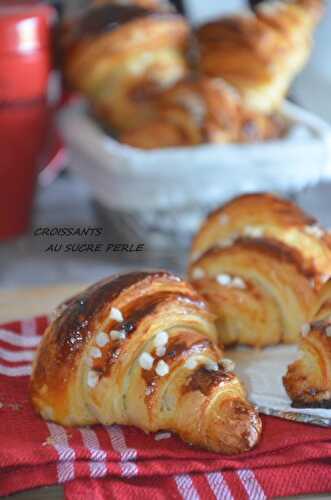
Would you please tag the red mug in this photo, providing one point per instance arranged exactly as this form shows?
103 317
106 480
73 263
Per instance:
25 68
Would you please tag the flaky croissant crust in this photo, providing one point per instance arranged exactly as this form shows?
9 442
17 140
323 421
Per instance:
200 110
268 292
266 215
308 380
260 52
262 265
91 364
120 57
115 41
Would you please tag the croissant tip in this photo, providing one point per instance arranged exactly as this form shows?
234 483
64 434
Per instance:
238 430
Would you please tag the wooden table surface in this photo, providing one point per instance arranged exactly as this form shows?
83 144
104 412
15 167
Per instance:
28 302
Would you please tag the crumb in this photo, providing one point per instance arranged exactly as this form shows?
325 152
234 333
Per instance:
162 435
50 441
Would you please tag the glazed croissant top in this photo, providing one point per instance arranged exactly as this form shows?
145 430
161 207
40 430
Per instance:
265 215
139 349
118 56
261 264
201 110
260 53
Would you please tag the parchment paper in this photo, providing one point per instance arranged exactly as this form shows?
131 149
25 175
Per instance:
262 371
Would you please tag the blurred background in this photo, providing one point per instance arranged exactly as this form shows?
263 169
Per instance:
62 166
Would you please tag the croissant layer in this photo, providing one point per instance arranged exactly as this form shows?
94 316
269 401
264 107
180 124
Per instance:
200 110
308 380
261 263
260 53
121 56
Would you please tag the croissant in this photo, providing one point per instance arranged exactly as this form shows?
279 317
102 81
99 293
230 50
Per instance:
308 380
201 110
120 56
260 52
139 349
261 263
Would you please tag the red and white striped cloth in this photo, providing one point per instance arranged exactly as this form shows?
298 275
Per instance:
103 462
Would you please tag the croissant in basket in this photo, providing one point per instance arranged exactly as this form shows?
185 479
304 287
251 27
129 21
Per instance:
260 53
308 380
120 56
260 263
139 349
201 110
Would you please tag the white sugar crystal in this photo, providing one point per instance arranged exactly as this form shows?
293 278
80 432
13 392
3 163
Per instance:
228 364
162 368
102 339
224 219
238 283
116 314
161 339
211 366
325 277
117 335
160 351
253 231
148 391
305 329
162 435
92 378
191 363
95 352
328 331
227 242
194 104
146 361
198 273
224 279
314 230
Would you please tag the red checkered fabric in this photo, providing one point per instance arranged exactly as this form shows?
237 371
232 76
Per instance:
104 462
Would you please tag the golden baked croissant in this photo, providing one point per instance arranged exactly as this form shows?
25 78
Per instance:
119 56
139 349
260 53
308 380
260 263
201 110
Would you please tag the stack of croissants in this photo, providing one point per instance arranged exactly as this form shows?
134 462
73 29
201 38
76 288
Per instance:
147 348
153 81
